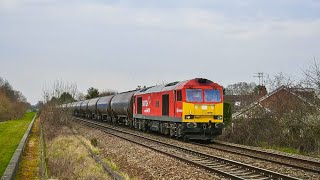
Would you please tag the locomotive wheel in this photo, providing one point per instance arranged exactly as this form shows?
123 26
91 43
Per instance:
144 126
172 133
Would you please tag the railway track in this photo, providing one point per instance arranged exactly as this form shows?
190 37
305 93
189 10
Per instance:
225 167
282 159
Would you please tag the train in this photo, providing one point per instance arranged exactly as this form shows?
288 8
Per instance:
190 109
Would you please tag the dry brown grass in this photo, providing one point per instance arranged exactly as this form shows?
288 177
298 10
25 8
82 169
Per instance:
29 165
68 158
96 150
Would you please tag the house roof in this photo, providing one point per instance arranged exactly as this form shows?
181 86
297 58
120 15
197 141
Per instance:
290 90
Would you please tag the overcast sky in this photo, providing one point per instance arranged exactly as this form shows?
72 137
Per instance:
111 44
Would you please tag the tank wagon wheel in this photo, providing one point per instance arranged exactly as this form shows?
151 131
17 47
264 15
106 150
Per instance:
185 138
131 125
114 121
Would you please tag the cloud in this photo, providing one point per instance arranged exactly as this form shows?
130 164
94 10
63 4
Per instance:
128 43
202 20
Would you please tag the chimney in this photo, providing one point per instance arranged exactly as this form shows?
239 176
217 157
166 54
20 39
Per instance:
262 91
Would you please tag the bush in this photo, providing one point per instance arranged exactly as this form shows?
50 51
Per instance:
253 131
227 114
297 132
94 142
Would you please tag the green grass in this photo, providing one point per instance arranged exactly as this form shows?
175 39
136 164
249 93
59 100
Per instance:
285 149
11 133
279 148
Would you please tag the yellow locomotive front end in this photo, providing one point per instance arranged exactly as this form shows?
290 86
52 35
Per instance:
202 112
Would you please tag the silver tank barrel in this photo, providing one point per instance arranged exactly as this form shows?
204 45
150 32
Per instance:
103 105
92 105
84 106
122 104
78 105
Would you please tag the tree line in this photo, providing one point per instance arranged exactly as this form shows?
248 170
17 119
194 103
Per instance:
13 104
62 93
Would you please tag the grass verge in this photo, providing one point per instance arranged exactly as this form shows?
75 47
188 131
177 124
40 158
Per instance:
11 133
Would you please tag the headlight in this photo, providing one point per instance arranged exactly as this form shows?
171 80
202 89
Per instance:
219 117
189 117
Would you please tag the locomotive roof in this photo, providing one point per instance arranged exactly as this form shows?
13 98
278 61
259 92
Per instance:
172 86
162 87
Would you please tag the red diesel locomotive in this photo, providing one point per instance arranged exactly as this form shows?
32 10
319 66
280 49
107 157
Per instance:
191 109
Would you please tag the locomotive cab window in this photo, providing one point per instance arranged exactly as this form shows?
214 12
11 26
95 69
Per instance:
194 95
179 95
212 95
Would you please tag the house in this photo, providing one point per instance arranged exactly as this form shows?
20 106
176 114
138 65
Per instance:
238 102
281 101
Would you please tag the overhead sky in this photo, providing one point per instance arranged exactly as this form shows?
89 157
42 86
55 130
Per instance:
111 44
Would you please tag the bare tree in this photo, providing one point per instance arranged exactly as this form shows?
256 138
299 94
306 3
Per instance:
280 79
312 75
80 96
51 111
240 88
107 92
58 88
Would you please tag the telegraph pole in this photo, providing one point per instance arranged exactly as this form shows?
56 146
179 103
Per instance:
260 76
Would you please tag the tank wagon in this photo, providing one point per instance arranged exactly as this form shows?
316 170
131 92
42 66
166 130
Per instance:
191 109
104 108
122 107
77 108
84 108
92 108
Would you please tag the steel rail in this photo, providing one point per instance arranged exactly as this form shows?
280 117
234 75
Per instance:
268 156
228 168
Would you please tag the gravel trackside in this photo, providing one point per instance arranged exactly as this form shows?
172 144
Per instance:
139 162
